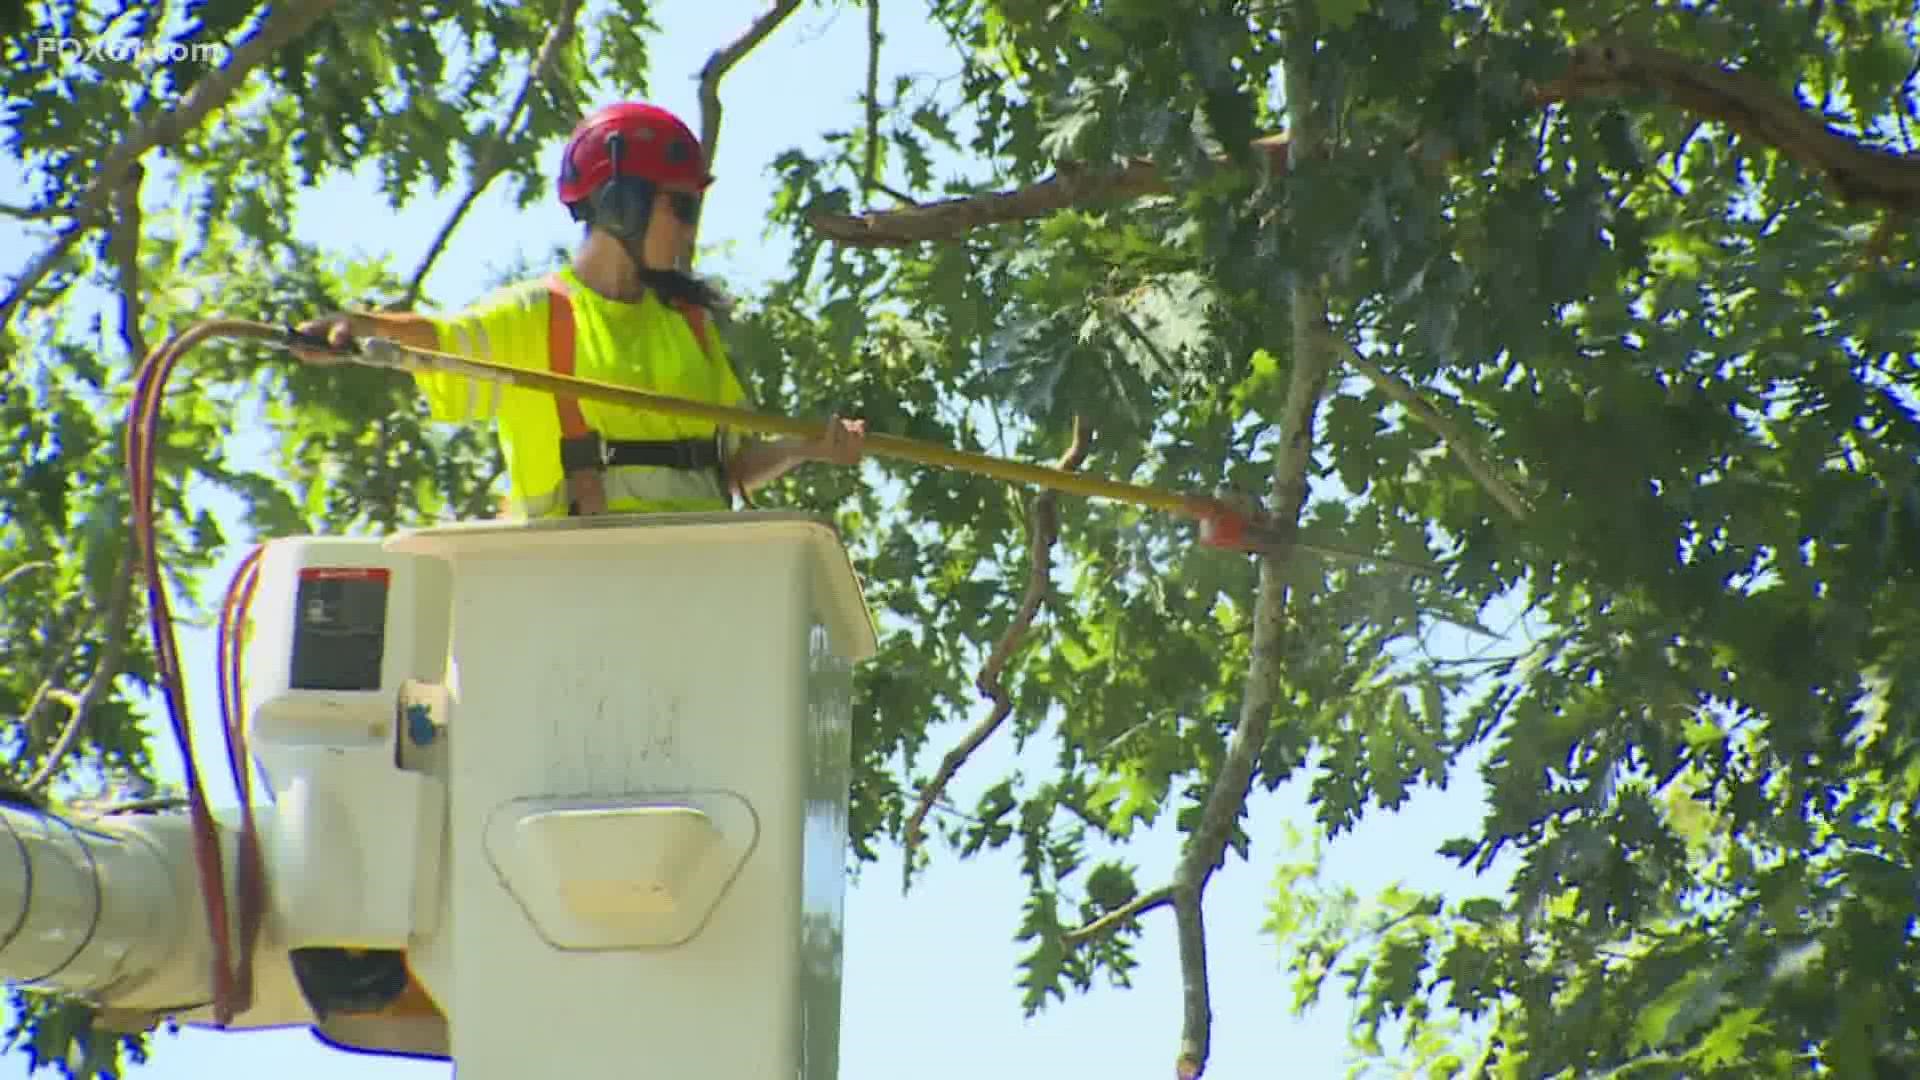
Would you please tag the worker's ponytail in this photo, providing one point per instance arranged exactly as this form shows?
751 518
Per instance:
677 287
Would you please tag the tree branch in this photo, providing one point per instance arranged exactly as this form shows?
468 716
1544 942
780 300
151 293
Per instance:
1118 917
1227 797
164 128
1434 420
1068 187
492 159
1043 528
722 61
1742 102
1747 105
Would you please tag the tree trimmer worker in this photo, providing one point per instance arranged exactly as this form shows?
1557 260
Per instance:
626 311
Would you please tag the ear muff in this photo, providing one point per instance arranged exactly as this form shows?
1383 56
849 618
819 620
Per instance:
623 206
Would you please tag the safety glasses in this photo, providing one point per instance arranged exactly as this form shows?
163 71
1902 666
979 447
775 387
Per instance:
686 205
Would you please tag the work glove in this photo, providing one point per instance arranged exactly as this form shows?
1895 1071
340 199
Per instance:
842 443
336 330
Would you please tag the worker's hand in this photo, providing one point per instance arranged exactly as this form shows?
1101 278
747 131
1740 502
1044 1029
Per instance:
842 444
338 332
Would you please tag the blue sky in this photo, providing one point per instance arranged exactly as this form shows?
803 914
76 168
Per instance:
930 977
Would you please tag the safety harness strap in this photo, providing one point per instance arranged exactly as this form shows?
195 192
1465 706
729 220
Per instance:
585 492
591 451
697 320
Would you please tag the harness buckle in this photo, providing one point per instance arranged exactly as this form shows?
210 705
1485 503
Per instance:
589 451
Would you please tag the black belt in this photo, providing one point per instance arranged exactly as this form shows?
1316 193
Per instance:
594 452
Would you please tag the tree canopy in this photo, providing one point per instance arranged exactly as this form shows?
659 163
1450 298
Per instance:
1599 313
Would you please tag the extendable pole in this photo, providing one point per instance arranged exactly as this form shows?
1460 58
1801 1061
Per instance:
381 352
1221 525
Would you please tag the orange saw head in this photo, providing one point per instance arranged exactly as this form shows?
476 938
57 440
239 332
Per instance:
1229 527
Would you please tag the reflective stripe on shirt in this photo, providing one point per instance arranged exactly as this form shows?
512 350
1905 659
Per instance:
482 396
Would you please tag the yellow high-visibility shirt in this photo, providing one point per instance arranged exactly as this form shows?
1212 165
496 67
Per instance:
647 345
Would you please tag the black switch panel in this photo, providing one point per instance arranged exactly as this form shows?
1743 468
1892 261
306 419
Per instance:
339 628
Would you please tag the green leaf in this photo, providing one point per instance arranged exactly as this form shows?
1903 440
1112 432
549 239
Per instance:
1340 14
1725 1046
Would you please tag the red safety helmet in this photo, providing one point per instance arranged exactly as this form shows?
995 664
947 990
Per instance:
653 145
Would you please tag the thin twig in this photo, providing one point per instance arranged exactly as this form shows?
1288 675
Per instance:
138 806
1903 102
1227 797
164 127
7 579
1118 917
945 806
48 691
1365 558
492 158
897 195
37 271
722 61
28 213
105 670
1431 417
871 174
1043 529
43 695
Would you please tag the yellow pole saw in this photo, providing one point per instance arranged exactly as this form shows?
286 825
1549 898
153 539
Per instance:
1221 525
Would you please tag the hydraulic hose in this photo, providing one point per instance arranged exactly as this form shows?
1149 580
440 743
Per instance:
232 976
